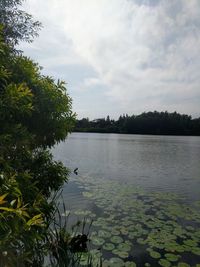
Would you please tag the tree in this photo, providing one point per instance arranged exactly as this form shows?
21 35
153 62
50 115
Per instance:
17 24
35 113
146 123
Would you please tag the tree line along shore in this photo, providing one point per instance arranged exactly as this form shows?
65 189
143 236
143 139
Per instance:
157 123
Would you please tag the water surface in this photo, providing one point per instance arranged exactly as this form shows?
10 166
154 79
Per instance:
163 163
142 190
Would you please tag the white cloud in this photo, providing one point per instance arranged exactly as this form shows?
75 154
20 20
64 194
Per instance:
146 56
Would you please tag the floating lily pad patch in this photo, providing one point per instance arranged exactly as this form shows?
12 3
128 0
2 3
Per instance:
121 254
130 264
172 257
83 258
115 232
108 246
196 250
183 264
95 257
190 242
116 262
98 241
124 247
104 234
131 220
116 239
164 263
155 254
82 212
87 194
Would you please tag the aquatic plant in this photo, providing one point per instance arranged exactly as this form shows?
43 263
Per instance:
162 225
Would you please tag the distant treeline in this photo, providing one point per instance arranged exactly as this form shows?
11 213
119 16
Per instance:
163 123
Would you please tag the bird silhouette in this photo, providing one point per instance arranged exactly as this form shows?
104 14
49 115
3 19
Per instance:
76 171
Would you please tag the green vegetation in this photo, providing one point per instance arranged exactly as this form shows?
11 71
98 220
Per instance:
35 114
134 227
162 123
17 24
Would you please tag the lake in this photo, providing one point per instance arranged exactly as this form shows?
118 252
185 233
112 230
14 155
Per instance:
143 193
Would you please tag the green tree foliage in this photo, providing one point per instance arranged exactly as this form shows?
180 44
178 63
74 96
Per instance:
146 123
17 24
35 113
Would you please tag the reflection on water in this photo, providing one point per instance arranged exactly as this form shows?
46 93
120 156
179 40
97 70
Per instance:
163 163
156 223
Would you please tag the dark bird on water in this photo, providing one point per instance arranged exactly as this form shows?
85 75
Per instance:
79 243
76 171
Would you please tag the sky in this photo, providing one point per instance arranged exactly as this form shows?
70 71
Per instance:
121 56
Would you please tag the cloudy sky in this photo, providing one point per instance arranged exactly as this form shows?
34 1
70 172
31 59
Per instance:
121 56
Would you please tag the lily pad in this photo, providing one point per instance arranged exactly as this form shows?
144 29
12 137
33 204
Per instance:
95 252
116 262
155 254
116 251
116 239
83 258
98 241
104 234
130 264
87 194
183 264
82 212
95 257
105 263
123 254
164 263
159 220
115 232
190 242
196 251
108 246
124 231
124 247
171 257
128 242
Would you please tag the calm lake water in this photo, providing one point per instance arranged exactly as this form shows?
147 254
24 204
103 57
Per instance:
163 163
109 166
